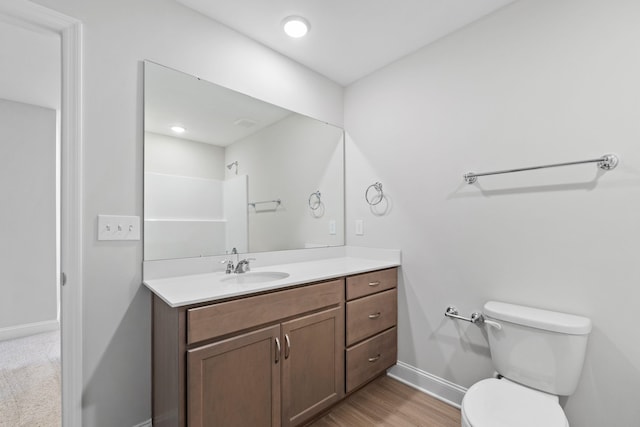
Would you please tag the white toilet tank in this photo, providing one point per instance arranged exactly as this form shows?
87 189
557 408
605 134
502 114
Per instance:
541 349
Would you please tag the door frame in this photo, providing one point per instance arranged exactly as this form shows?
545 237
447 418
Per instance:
71 221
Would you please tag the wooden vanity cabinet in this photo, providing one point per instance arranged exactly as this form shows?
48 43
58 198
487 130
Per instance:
275 359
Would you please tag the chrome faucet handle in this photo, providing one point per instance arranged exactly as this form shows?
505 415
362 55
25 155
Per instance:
229 263
243 265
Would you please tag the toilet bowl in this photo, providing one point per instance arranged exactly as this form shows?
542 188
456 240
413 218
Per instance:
502 403
539 356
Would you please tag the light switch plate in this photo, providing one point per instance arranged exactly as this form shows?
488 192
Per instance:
359 227
118 227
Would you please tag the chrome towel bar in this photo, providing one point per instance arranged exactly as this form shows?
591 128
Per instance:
606 162
277 202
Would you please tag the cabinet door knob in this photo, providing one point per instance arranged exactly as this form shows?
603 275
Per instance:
374 315
373 359
287 344
278 348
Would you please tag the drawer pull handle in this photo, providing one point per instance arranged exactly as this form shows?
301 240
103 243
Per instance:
287 346
277 350
375 315
373 359
374 284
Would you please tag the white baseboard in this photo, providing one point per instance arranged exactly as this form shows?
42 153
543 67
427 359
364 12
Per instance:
428 383
20 331
144 424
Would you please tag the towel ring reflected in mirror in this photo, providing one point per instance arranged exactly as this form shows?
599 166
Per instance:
377 196
315 200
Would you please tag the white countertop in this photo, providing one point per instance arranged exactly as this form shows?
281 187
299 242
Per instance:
196 288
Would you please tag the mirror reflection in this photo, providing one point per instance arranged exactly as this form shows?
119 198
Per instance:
225 171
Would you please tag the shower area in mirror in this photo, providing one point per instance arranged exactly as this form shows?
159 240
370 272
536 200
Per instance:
191 208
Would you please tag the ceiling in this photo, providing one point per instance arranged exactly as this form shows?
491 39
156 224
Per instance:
209 113
348 39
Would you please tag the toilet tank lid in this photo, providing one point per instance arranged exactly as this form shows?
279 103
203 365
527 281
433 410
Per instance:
538 318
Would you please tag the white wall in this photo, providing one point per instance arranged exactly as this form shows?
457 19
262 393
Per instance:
30 76
30 65
28 216
117 36
535 83
177 156
308 150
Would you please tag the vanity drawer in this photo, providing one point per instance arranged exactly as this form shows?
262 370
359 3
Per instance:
215 320
370 283
370 358
370 315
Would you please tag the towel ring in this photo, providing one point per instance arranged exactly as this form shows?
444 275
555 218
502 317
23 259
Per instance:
379 196
315 201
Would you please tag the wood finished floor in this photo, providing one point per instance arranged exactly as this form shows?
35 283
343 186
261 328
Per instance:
389 403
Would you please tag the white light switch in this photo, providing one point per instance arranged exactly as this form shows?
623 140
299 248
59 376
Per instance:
332 226
118 227
359 227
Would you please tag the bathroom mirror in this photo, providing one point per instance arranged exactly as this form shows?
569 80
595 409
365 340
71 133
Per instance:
223 170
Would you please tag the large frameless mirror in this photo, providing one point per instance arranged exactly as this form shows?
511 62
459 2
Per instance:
224 171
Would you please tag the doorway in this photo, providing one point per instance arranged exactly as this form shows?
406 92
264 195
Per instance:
30 101
68 31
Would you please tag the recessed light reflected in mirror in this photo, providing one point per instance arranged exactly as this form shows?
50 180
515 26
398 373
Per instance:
295 26
177 129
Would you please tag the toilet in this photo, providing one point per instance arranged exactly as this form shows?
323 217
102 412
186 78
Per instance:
538 355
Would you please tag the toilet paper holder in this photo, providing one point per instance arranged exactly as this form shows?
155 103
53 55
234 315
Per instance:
476 318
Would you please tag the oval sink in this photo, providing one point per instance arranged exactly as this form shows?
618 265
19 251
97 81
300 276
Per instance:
255 277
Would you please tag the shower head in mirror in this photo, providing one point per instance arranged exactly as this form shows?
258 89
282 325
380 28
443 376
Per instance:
230 165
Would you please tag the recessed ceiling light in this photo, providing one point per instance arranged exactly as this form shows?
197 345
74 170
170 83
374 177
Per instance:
178 129
295 26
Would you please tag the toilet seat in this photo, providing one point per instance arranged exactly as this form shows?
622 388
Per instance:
502 403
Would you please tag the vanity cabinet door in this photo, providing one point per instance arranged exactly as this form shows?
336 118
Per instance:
313 364
236 382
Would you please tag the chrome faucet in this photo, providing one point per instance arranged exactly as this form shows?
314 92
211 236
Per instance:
243 266
230 268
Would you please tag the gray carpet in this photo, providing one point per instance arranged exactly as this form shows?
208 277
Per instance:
30 381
